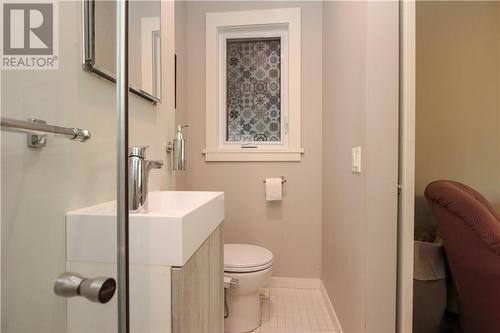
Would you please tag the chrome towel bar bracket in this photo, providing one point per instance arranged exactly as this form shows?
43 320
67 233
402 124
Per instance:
38 130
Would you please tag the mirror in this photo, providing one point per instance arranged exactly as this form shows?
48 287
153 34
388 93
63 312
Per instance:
144 44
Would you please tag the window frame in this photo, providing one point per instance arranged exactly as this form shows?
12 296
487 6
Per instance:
282 23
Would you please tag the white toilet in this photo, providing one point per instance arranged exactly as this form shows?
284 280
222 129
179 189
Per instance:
251 265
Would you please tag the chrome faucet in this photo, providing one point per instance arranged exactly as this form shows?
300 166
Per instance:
138 174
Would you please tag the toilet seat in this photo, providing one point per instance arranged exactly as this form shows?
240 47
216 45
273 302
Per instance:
244 258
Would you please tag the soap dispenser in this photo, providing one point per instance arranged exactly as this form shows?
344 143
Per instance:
178 148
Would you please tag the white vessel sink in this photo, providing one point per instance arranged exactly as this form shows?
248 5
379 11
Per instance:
176 224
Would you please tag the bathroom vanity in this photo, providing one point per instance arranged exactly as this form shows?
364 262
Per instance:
198 290
176 263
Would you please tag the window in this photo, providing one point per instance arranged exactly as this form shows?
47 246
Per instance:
253 90
253 76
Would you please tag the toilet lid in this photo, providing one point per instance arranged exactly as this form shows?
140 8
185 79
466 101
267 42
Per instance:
240 258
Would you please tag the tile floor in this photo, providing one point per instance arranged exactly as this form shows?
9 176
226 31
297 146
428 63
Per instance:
289 310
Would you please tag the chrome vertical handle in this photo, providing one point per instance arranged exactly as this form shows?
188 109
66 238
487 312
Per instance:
98 289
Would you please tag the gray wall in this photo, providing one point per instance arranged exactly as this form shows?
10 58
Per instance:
291 229
40 186
360 108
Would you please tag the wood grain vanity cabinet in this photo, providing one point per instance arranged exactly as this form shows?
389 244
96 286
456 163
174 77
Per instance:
198 289
176 270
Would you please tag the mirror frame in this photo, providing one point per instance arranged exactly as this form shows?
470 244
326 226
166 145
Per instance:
88 20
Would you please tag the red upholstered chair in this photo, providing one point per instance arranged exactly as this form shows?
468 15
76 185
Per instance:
471 236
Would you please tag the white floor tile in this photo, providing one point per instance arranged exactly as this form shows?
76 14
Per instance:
289 310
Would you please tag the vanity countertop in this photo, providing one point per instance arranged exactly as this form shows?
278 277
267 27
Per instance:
173 228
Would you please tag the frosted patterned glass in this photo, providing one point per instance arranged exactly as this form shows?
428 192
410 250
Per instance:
253 89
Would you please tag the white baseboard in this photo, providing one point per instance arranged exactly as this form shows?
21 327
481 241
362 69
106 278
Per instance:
331 312
299 283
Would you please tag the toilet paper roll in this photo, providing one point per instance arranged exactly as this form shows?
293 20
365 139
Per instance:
273 189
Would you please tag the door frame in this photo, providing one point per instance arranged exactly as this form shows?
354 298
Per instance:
406 204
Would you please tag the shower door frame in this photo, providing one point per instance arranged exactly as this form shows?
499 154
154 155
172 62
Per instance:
122 89
122 214
406 204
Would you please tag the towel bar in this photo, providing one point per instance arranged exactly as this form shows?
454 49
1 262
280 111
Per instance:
38 129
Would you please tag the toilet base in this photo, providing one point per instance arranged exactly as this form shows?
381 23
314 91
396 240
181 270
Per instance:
244 301
244 313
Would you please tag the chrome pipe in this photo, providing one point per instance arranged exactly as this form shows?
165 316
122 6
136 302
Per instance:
122 165
41 128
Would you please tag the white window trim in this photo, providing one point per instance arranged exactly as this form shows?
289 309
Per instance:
284 23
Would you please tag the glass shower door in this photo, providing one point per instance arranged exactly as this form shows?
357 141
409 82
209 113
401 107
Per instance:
67 166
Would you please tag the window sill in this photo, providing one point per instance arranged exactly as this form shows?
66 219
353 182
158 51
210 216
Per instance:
254 155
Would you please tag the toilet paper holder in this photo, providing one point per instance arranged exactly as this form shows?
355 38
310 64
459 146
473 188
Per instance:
283 180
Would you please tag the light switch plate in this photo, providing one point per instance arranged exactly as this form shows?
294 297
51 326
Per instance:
356 159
